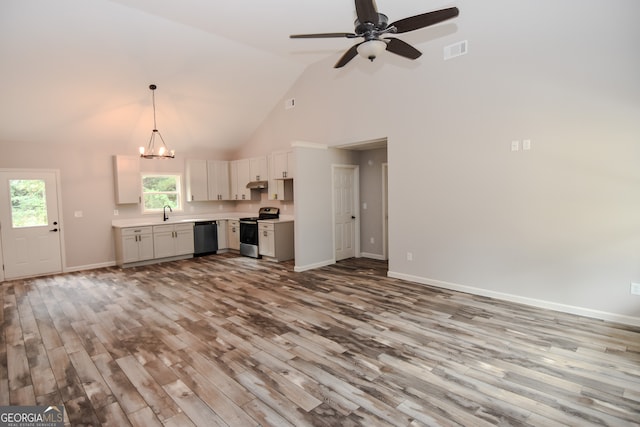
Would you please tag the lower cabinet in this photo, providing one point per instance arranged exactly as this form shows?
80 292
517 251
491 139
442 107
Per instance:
275 240
133 244
222 234
233 235
172 240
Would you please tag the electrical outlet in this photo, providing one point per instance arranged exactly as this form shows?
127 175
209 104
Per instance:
635 288
115 212
526 144
78 214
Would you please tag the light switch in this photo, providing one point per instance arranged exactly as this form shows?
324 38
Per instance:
526 144
515 145
78 214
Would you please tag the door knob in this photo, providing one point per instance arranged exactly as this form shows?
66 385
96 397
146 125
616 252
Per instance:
353 217
55 230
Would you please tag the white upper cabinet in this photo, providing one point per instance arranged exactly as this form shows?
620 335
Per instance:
258 168
197 181
218 179
126 170
283 164
281 171
240 171
244 177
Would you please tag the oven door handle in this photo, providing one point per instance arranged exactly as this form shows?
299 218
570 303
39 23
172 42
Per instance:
249 222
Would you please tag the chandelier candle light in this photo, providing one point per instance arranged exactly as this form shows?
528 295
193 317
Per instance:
163 151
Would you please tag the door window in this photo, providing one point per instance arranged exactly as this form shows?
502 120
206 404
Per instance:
28 203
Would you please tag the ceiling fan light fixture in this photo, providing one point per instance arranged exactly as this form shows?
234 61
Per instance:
371 48
163 151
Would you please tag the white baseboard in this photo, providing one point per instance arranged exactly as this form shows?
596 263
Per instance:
88 267
372 256
549 305
301 268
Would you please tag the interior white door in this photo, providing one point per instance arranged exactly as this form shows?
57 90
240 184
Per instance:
344 211
29 223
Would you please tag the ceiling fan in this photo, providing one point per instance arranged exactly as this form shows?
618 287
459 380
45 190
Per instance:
372 25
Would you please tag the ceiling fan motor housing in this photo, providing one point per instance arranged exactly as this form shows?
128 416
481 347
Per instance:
371 29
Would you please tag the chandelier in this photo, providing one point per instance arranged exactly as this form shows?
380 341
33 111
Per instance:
163 151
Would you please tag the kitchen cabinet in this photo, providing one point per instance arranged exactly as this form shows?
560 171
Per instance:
240 176
133 244
258 169
218 180
222 234
233 235
265 240
275 240
283 163
127 179
172 240
197 182
281 171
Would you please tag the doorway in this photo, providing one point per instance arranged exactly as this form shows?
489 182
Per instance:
346 224
30 223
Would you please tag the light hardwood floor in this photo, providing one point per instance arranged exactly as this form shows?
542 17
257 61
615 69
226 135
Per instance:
227 340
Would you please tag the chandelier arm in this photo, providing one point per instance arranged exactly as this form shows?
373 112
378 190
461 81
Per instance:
161 138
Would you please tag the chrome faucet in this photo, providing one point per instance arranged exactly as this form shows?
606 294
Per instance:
164 212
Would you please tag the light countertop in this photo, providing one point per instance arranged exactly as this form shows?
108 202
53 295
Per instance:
177 219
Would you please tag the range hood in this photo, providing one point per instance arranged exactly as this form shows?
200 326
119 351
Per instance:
258 185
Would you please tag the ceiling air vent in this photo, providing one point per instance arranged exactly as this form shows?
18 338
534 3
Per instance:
456 49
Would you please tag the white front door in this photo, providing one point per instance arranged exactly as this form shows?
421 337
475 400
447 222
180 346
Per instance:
29 223
344 210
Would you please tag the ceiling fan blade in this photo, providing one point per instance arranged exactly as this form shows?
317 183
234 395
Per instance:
401 48
367 11
348 56
426 19
322 35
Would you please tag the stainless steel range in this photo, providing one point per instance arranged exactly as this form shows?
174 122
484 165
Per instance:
249 231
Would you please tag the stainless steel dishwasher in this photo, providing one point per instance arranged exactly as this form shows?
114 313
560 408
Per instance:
205 238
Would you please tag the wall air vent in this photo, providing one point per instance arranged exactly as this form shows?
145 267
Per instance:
289 103
455 50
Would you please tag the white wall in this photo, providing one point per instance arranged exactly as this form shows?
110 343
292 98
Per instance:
371 218
557 225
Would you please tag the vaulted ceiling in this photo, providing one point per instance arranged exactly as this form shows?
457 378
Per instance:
80 69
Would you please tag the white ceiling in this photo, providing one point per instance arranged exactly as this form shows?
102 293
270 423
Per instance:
80 69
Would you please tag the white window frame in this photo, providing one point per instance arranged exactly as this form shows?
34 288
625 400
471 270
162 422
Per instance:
178 191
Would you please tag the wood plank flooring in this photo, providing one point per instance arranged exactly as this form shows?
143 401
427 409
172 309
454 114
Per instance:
226 340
